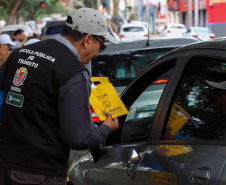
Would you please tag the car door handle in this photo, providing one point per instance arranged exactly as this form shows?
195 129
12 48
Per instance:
200 176
131 171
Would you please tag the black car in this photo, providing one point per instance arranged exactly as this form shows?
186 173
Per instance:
123 62
174 137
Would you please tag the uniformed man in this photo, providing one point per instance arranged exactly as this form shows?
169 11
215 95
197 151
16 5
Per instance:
45 111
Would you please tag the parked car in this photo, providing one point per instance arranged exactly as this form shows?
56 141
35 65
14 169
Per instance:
51 29
169 138
10 29
173 30
133 31
202 33
146 24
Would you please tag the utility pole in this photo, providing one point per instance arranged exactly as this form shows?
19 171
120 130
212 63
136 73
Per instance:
189 13
148 12
98 4
196 3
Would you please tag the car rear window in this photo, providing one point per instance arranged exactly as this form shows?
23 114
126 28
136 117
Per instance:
177 27
202 30
133 29
54 30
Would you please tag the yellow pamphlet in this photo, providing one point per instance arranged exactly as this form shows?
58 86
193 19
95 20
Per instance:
104 98
177 149
177 119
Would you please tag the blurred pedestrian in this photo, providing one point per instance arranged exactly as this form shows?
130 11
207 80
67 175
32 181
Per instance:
45 112
5 45
36 34
18 37
113 26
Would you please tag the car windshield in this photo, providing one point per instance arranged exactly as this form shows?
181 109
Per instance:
122 68
133 29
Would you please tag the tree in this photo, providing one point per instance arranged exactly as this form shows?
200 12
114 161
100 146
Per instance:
27 8
92 3
116 8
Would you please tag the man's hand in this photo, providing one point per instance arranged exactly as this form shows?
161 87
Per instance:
111 122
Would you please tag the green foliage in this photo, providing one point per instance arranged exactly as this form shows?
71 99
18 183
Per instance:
4 6
3 13
31 9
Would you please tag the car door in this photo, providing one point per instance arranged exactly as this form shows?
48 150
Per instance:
181 147
118 161
189 136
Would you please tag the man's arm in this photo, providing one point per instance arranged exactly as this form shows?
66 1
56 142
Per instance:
76 127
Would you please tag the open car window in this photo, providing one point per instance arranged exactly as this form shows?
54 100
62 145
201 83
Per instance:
141 113
197 112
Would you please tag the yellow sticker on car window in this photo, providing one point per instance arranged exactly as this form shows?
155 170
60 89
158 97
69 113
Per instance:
177 119
104 98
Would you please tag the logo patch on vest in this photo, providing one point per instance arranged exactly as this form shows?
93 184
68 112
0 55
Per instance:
15 99
20 76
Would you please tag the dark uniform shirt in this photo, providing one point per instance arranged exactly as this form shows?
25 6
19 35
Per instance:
45 145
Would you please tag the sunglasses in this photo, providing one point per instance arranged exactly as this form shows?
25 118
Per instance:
102 46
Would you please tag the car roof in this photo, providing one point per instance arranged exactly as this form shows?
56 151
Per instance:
175 24
155 43
218 43
139 22
14 27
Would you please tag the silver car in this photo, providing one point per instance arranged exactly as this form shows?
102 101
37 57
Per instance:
173 30
203 33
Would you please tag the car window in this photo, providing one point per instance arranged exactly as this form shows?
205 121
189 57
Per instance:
133 29
122 67
177 27
54 30
142 111
147 102
196 112
198 30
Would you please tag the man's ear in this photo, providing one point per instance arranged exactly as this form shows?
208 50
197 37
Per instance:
87 40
